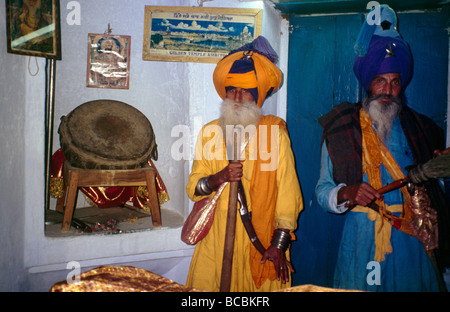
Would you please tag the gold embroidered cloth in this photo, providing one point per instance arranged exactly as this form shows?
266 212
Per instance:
106 197
120 279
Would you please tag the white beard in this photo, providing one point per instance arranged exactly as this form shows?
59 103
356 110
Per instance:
382 116
233 117
243 114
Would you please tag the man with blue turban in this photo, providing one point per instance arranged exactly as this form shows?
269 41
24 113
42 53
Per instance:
367 146
244 79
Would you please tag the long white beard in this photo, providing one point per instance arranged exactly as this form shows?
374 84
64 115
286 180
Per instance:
382 116
242 117
243 114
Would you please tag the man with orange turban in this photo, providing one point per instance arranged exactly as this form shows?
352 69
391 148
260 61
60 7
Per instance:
266 173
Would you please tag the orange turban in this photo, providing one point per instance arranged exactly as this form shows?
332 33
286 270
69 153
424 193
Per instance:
265 77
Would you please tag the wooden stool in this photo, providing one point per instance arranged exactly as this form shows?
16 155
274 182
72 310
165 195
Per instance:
77 177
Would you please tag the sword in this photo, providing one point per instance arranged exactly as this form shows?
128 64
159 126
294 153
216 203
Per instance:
246 218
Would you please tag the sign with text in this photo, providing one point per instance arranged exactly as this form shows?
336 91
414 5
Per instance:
205 35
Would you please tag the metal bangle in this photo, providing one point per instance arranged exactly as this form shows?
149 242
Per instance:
281 239
202 187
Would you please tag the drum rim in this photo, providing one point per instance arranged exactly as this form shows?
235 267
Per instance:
74 153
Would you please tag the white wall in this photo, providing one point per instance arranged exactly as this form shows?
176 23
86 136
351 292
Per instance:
12 170
168 93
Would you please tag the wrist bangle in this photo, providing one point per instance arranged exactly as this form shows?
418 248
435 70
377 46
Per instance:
281 239
202 187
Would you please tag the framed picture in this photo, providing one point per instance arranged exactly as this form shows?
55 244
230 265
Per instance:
108 61
197 34
33 28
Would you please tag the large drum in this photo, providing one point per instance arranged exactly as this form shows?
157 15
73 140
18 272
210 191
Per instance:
107 134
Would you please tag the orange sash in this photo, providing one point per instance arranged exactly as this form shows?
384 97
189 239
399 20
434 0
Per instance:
263 194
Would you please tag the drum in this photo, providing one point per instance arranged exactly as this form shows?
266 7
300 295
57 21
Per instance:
107 134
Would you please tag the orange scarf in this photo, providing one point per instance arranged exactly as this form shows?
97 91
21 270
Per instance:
263 194
376 153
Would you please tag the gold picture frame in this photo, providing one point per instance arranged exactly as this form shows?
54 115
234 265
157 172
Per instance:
197 34
108 61
33 28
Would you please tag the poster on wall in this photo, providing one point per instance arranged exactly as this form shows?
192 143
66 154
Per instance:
197 34
33 28
108 61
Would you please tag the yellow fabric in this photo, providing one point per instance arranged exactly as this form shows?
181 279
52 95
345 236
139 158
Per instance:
382 230
376 153
267 74
206 264
245 81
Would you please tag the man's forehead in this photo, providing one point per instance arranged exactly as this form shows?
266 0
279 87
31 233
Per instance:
388 75
234 88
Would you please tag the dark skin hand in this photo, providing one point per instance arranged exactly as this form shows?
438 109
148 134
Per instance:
363 194
441 152
358 194
233 173
281 264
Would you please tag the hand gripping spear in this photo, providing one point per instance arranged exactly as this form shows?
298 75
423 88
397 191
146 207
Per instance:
227 262
438 167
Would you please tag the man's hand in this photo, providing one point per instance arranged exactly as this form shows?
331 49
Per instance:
231 173
441 152
280 262
358 194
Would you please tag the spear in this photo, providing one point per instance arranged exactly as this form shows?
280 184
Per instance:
227 262
438 167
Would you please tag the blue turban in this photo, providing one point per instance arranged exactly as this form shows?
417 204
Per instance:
386 53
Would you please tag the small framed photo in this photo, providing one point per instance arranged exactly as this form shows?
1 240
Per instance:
197 34
33 28
108 61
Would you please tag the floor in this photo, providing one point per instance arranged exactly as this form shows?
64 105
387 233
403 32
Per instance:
116 220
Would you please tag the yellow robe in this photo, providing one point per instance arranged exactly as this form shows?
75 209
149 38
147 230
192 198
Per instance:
206 264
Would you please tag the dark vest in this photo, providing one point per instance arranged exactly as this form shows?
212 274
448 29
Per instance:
342 133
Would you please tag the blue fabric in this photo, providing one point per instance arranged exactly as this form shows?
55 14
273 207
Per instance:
243 66
260 45
408 267
374 28
374 38
377 62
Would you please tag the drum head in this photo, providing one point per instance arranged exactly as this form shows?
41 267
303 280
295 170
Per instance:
107 134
